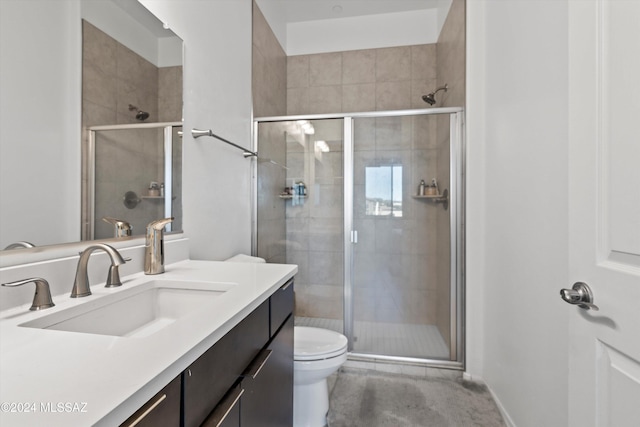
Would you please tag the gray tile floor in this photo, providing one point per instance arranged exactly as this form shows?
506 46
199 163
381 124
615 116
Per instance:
365 398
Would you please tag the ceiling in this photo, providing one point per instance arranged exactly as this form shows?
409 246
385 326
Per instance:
313 10
315 26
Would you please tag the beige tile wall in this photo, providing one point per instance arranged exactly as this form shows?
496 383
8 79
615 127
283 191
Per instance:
402 263
362 80
269 99
314 225
269 70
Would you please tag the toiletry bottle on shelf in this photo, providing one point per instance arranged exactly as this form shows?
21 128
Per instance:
422 188
432 189
154 190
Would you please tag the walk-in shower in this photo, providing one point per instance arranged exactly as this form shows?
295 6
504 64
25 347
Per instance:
134 175
379 259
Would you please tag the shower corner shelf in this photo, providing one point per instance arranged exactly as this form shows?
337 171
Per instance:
289 196
436 198
156 197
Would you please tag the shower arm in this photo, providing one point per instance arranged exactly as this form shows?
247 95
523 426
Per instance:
445 88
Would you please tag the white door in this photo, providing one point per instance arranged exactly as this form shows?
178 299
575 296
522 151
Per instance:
604 211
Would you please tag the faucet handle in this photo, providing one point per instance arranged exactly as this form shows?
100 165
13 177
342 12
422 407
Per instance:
42 298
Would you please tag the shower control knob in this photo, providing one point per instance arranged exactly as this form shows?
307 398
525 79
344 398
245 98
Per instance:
580 294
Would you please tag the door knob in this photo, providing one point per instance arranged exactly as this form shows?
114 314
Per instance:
579 295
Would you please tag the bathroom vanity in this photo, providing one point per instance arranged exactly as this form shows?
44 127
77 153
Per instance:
219 353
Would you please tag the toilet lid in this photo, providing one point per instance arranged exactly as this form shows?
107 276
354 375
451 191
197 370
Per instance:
316 343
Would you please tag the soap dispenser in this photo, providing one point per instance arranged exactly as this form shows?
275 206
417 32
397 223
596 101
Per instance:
154 246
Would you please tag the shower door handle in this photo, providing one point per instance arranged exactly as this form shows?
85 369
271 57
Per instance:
580 294
354 236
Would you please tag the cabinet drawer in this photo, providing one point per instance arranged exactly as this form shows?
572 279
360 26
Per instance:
208 379
162 410
281 306
227 413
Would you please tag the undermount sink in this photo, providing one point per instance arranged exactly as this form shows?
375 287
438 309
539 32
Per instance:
139 312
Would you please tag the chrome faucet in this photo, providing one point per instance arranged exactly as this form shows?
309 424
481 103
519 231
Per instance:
18 245
121 227
154 246
81 284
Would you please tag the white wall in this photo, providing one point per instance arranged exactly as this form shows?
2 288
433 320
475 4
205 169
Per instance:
517 206
40 122
373 31
217 96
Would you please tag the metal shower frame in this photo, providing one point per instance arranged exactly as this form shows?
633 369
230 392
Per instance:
88 227
456 216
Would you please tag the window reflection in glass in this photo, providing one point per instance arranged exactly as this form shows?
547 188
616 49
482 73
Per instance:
383 190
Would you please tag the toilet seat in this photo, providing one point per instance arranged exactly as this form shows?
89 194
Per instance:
317 344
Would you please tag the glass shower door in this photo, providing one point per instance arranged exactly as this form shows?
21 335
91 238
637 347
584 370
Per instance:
300 205
400 293
379 256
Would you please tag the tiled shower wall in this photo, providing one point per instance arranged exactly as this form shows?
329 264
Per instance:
361 80
113 76
395 285
394 266
269 95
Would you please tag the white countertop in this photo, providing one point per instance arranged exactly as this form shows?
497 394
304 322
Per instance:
59 378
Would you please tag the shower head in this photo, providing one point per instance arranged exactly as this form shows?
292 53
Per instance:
140 115
431 98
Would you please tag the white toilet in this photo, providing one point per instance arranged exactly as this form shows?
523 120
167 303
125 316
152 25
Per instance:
317 354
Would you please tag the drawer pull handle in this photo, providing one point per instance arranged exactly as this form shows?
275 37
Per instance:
225 407
286 285
258 363
151 408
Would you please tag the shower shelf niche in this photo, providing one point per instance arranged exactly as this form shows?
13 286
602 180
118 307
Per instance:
436 198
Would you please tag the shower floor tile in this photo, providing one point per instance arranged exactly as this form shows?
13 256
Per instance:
389 339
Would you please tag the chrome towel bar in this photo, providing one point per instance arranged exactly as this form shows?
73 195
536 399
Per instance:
197 133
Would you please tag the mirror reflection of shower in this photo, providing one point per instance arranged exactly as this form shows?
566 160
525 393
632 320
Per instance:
140 115
431 97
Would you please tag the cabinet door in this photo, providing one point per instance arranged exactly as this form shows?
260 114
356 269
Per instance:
268 384
162 410
209 378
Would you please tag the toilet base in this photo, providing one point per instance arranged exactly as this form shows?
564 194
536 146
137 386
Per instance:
311 404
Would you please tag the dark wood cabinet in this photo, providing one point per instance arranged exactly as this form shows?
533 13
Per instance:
268 384
281 306
209 378
162 410
227 413
245 379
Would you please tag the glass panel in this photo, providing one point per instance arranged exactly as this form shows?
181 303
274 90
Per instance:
383 190
300 212
131 161
401 287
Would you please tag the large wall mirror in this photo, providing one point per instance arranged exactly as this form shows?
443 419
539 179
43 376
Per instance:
128 158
